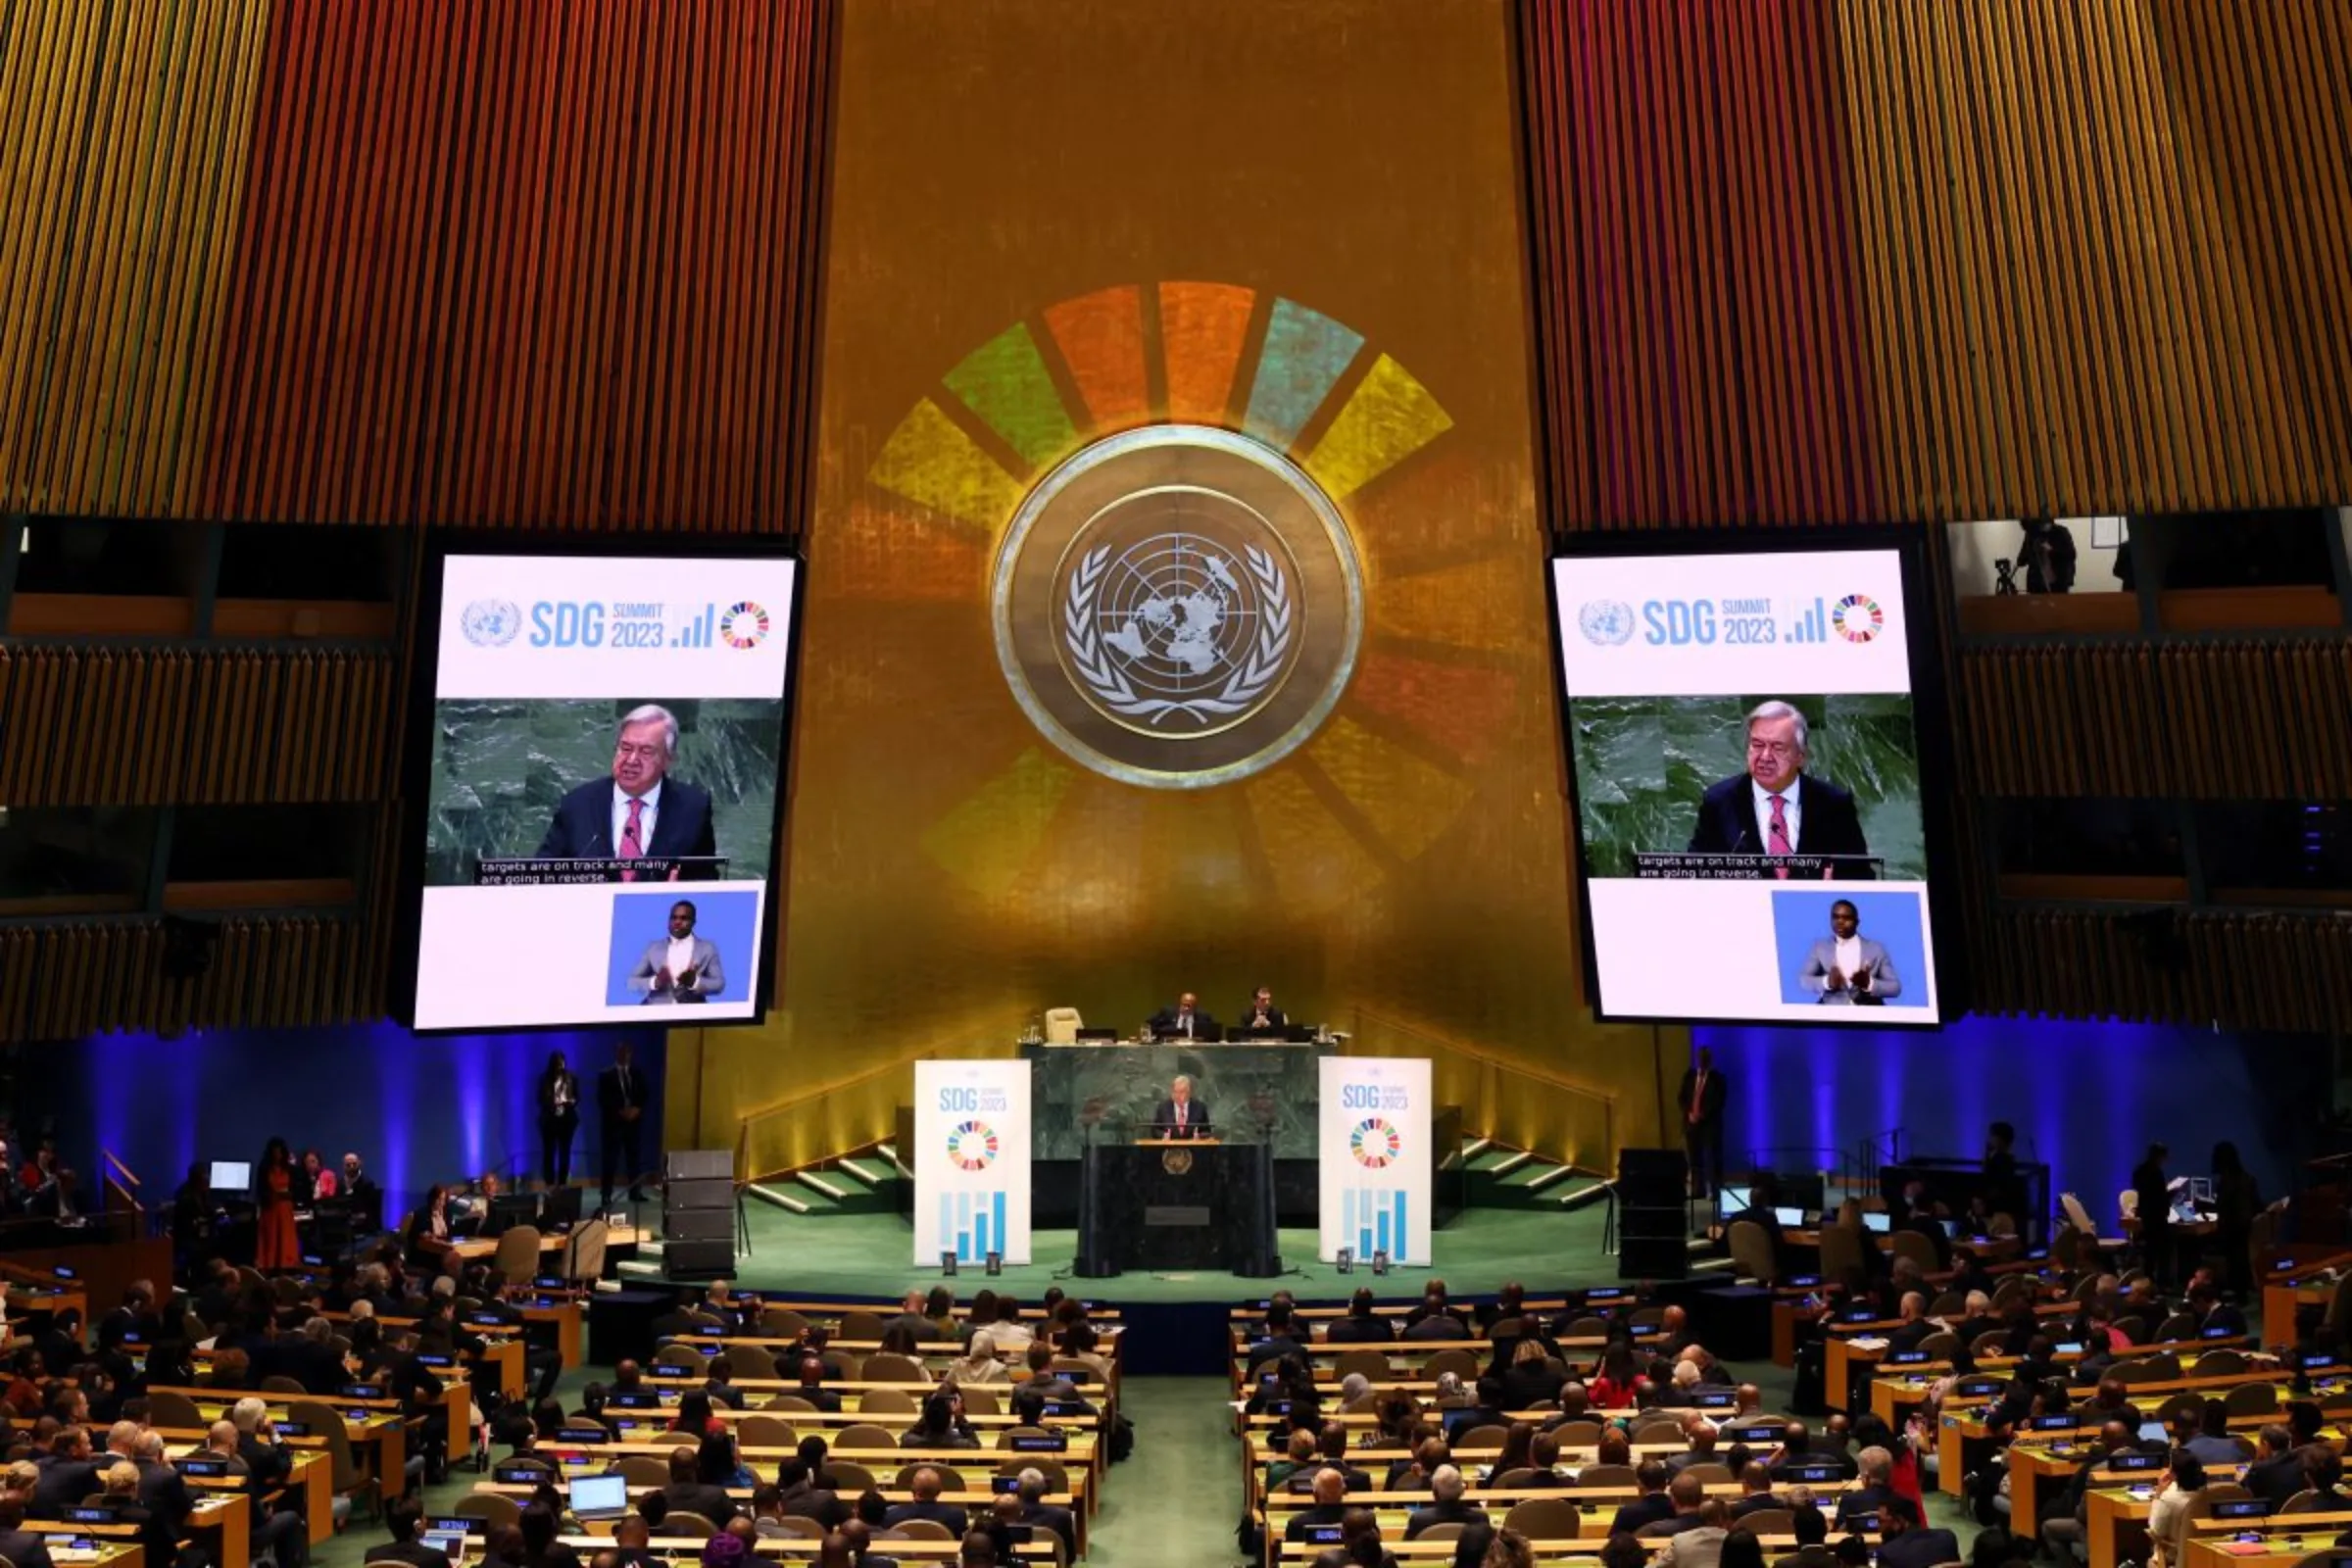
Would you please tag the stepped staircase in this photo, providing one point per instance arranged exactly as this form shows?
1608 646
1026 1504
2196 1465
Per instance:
1503 1177
863 1183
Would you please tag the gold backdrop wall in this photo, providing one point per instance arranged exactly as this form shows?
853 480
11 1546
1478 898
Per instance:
1053 220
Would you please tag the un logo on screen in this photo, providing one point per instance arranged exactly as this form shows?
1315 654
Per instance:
491 623
1606 622
1178 607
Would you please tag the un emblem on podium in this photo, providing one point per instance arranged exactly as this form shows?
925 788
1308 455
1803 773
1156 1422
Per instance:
1177 607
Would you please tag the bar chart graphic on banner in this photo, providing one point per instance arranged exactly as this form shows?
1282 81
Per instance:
971 1160
1373 1158
972 1224
1375 1221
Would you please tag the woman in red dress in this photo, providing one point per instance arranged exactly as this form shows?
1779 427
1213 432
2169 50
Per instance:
274 1245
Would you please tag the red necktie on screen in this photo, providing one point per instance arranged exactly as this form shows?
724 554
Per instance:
632 839
1780 838
1698 1095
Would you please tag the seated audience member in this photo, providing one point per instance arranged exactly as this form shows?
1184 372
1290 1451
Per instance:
1445 1505
1755 1490
688 1492
926 1486
2212 1442
2177 1500
1360 1539
2322 1477
1699 1545
401 1515
941 1426
2276 1473
20 1546
1811 1529
978 1366
1651 1506
1330 1506
1363 1324
1685 1495
1903 1544
1877 1494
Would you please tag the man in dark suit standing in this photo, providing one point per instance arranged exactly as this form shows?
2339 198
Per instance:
1700 1100
1180 1115
621 1109
639 811
1774 809
2154 1197
1183 1022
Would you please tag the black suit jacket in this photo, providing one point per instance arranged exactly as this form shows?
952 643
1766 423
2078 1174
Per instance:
24 1548
2277 1479
611 1099
583 827
1829 824
1710 1104
1275 1021
1919 1548
1163 1025
951 1514
699 1496
1195 1120
1354 1330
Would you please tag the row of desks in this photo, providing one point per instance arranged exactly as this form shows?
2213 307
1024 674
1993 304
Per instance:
977 1501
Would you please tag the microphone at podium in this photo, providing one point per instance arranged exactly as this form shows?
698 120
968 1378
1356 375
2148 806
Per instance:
1180 1115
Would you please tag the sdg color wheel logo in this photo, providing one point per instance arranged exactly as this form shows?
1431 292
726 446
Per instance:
1606 622
491 623
744 625
1858 618
1374 1142
973 1146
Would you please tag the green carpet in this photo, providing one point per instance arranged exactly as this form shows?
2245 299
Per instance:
833 1254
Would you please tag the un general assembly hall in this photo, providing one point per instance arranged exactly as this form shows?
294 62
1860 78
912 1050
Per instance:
1255 783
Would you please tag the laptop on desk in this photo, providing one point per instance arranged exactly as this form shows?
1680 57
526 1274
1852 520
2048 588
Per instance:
600 1498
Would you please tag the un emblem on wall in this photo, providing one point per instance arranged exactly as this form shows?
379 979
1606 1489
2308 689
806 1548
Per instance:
1177 607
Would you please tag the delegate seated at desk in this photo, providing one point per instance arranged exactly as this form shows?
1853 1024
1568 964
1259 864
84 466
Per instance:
1180 1115
1183 1022
1262 1018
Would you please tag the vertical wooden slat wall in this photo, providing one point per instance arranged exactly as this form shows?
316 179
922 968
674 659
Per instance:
1841 259
544 265
540 265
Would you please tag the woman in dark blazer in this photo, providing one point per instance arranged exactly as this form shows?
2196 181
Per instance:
559 1119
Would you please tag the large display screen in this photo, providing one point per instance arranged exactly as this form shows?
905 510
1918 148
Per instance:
606 754
1744 749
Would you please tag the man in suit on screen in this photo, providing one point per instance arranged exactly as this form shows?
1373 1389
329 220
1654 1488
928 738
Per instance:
1776 809
1846 968
640 810
680 969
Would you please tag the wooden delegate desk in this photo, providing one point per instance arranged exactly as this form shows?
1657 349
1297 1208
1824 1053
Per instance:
686 1551
2304 1285
110 1545
2284 1539
1183 1203
384 1430
1583 1550
473 1247
978 1502
1083 1453
565 1318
